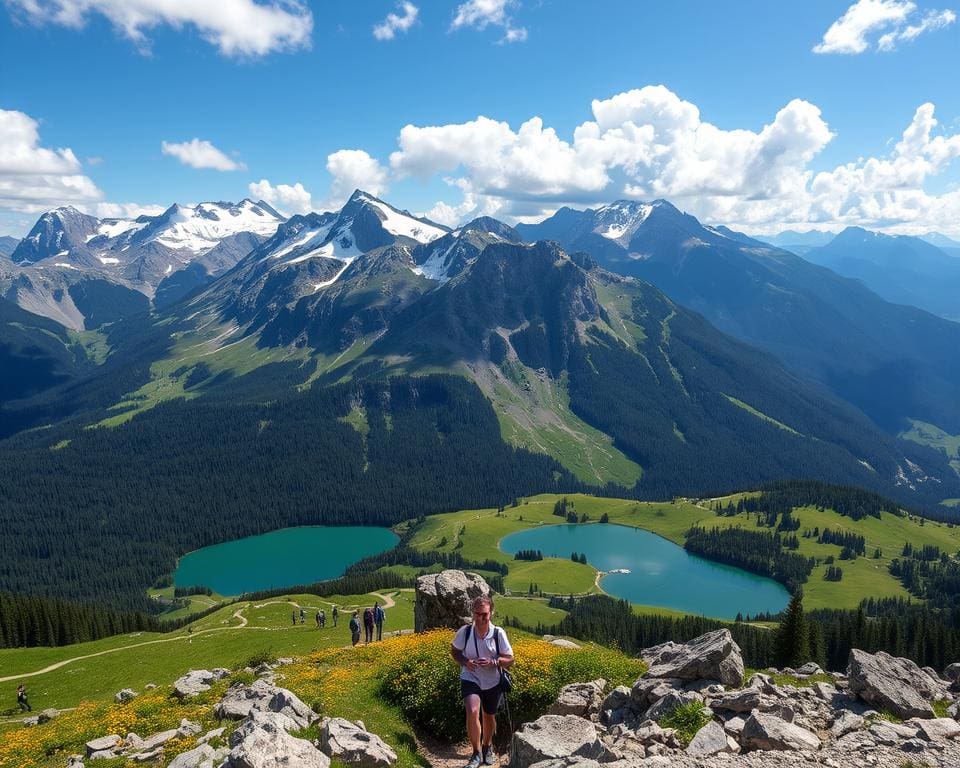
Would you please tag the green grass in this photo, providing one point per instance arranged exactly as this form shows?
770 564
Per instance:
862 578
935 437
950 503
217 640
193 603
686 720
529 611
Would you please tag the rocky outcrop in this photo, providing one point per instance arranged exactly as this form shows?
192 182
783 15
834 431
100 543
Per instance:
444 599
581 699
263 741
554 736
893 684
713 656
203 756
763 724
196 681
241 701
352 743
125 695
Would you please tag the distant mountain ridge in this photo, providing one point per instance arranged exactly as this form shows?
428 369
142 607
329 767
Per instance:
896 363
902 269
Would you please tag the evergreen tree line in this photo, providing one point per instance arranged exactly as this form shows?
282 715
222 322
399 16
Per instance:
844 539
896 626
101 519
404 554
528 554
759 552
936 581
926 552
197 589
783 496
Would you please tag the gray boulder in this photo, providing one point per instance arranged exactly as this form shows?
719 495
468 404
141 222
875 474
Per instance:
555 736
670 702
713 656
952 672
125 695
157 740
103 744
195 682
745 700
203 756
47 715
352 743
891 683
711 740
242 700
938 729
581 699
649 690
262 741
847 722
444 599
768 732
810 668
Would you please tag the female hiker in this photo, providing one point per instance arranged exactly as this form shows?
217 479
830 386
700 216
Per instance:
481 649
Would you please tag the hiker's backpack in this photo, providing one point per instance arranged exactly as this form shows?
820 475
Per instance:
506 679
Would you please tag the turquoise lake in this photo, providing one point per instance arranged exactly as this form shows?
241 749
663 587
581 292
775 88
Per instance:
661 573
282 558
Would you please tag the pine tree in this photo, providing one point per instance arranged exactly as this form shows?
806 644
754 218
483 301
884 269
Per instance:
793 640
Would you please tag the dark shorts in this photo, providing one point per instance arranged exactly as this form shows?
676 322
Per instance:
489 699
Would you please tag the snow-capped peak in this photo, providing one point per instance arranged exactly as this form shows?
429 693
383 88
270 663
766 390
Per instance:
201 227
400 223
620 220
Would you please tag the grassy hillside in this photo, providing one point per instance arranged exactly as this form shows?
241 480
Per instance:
864 577
392 685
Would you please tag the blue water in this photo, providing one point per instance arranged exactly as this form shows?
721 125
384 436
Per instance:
661 573
284 558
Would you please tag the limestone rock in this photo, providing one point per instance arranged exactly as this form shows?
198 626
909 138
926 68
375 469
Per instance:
810 668
952 672
939 728
744 700
649 690
351 743
554 736
102 744
670 702
894 684
195 682
241 700
444 599
157 740
581 699
711 740
713 656
216 733
767 732
188 728
47 715
847 722
262 741
125 695
203 756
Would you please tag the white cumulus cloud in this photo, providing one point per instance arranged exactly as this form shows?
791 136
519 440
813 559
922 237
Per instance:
34 178
851 32
235 27
394 23
480 14
199 153
353 169
649 143
287 198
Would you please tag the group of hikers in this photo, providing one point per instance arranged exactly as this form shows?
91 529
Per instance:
373 618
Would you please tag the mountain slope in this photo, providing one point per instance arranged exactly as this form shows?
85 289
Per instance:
8 245
895 363
904 270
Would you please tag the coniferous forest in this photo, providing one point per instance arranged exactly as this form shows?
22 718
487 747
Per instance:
103 517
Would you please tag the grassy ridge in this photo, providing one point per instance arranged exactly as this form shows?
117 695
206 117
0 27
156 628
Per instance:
862 578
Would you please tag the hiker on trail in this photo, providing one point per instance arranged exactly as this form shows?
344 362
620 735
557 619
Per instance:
293 615
322 618
481 649
318 619
22 699
378 617
303 615
336 615
367 625
355 628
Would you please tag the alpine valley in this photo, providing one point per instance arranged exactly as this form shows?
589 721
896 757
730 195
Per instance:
220 371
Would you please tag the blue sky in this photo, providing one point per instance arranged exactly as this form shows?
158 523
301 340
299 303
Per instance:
725 108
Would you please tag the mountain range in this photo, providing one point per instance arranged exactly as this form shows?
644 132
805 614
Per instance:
632 344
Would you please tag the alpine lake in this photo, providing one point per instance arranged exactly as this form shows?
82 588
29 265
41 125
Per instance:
660 573
284 558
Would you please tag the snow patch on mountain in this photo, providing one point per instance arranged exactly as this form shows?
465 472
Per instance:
403 225
332 280
202 227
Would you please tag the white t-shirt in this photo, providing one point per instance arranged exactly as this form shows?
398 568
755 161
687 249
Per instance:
483 648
